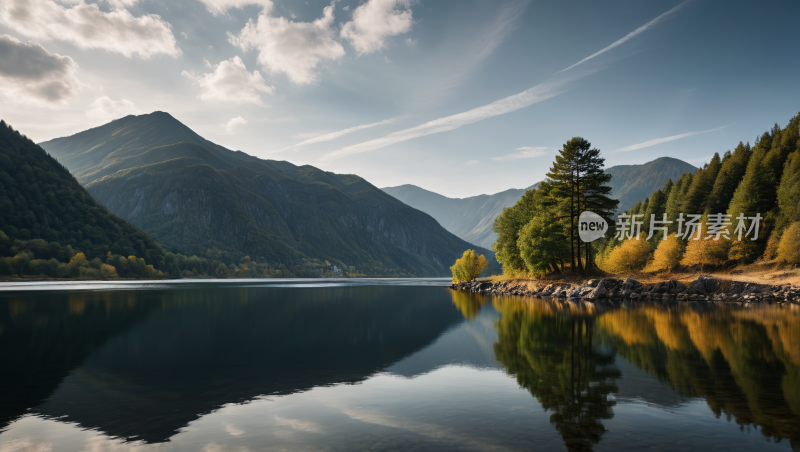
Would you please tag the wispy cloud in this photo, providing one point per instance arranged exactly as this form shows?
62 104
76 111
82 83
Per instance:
471 163
629 36
656 141
335 135
525 152
554 86
485 43
538 93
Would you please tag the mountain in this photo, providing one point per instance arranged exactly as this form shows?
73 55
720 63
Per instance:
44 210
633 183
472 218
468 218
196 197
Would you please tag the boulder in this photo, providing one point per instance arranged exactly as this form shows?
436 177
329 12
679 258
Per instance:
703 285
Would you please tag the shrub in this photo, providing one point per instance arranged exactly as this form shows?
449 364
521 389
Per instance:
789 247
469 266
706 252
631 256
668 254
771 252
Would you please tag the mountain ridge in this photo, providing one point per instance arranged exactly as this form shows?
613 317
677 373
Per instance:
200 198
471 218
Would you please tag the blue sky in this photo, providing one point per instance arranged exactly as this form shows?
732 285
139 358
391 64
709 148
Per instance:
458 97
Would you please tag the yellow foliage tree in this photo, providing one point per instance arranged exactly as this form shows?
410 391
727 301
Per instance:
668 254
789 247
706 252
108 271
631 256
77 258
469 266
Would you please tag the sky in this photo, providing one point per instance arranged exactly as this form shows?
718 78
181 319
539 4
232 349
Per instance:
458 97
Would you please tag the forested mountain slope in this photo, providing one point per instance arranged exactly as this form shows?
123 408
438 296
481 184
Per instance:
472 218
196 197
44 210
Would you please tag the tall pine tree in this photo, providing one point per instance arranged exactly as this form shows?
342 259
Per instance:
579 184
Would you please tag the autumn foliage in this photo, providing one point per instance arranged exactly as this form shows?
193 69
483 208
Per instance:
631 256
667 256
469 266
789 247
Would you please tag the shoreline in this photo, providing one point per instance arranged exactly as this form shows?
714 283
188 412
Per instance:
704 288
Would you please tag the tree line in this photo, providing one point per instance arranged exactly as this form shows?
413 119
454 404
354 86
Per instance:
760 183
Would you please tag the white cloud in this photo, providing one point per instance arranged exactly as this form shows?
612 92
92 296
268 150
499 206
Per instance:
411 43
29 71
555 86
472 163
107 110
218 7
292 48
232 429
346 8
87 27
231 82
629 36
525 152
117 3
26 444
376 20
231 125
334 135
656 141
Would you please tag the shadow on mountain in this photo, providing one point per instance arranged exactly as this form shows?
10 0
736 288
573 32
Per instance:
182 354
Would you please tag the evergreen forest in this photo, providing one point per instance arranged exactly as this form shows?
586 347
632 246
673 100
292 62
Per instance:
757 186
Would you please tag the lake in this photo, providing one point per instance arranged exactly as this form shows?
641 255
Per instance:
305 365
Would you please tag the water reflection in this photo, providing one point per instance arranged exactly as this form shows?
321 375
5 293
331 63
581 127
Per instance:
217 367
192 351
743 362
552 354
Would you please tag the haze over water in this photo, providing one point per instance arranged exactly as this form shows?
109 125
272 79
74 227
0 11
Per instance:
386 365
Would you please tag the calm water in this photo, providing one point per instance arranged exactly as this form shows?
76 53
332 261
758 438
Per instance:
386 365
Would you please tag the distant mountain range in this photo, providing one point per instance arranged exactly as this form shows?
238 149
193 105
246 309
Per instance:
196 197
472 218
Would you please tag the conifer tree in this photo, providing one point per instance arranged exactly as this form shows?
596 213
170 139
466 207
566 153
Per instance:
702 183
789 191
675 199
578 184
657 206
756 193
730 174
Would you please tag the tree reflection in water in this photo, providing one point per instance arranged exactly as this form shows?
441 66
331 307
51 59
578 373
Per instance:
552 354
743 362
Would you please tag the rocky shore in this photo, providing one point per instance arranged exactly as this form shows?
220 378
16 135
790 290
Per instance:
704 288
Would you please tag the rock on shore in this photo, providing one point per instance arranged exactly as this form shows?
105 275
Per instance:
704 288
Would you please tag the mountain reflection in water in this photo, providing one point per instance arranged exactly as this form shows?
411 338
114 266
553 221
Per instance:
390 366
